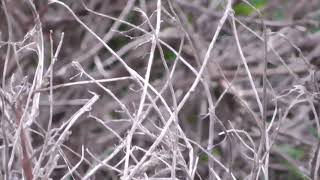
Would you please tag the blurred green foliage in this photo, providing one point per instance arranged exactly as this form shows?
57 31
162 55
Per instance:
216 152
192 119
109 151
293 173
278 14
244 9
312 131
133 18
294 153
169 55
203 158
190 18
118 42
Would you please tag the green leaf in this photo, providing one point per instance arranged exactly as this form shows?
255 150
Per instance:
216 152
169 56
203 158
118 42
245 10
190 18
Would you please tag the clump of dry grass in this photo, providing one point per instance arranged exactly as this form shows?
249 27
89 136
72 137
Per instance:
158 90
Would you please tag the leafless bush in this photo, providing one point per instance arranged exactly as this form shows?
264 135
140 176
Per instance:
162 89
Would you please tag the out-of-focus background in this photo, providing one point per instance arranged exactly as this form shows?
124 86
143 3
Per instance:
156 89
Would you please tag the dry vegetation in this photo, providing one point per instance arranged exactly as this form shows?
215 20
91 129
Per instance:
159 89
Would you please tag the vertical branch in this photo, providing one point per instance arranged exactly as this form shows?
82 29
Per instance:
145 88
264 99
4 72
25 162
315 162
5 139
50 71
